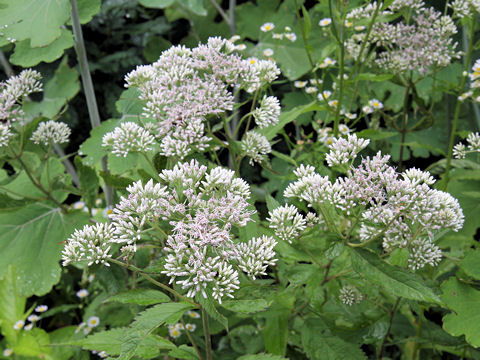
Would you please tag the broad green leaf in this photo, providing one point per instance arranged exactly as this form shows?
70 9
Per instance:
324 346
184 352
209 306
275 333
37 20
471 264
89 183
307 22
26 56
300 273
395 280
58 90
110 341
9 204
63 335
462 190
129 103
245 306
156 4
146 322
261 356
196 6
33 343
31 239
87 9
463 299
140 297
373 134
272 204
92 147
12 304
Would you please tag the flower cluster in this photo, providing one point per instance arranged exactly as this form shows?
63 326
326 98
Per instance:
51 132
398 208
185 86
465 8
12 93
255 146
473 145
268 112
350 295
198 209
344 151
88 326
128 137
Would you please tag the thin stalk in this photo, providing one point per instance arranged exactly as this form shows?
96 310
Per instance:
222 13
404 125
384 341
457 109
6 65
153 281
88 86
416 346
206 331
192 341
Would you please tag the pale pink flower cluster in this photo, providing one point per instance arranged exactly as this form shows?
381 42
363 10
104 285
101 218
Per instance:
473 145
185 86
400 209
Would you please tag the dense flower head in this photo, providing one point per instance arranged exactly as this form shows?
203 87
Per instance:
5 134
255 146
473 145
350 295
345 150
128 137
51 132
268 112
400 209
465 8
186 86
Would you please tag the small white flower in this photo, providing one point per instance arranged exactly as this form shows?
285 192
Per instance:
93 321
268 52
179 326
41 308
5 134
78 205
80 327
240 47
324 95
333 103
268 112
316 81
327 62
128 137
288 29
349 295
367 109
375 104
28 327
255 146
33 318
343 129
348 23
190 327
51 132
193 314
277 36
102 354
360 28
311 90
107 212
351 116
291 36
268 26
91 277
83 293
7 352
234 38
465 95
174 331
19 324
300 84
325 22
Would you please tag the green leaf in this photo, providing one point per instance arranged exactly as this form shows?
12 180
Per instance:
31 239
471 264
196 6
308 22
371 77
246 306
284 157
12 304
33 343
275 333
156 4
58 90
87 9
462 190
9 204
272 204
463 300
110 341
26 56
37 20
209 306
261 356
184 352
320 346
395 280
140 297
89 183
373 134
92 147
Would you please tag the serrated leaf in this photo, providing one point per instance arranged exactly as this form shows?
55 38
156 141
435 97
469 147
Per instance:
37 20
320 346
208 305
12 304
26 56
31 239
245 306
463 299
58 90
471 264
275 333
184 352
395 280
140 297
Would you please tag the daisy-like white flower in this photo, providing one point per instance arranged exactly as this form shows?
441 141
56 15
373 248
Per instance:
107 212
367 109
78 205
240 47
359 28
291 36
277 36
7 352
348 23
268 52
350 116
327 62
375 104
19 324
300 84
316 81
268 26
343 129
325 22
80 327
93 321
28 327
465 95
333 103
83 293
234 38
324 95
311 90
193 314
41 308
33 318
174 331
190 327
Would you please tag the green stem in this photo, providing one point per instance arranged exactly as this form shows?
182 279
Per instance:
457 110
153 281
384 341
206 331
155 174
403 130
192 341
416 346
88 87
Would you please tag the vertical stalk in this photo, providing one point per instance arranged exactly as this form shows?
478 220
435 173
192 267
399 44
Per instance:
457 109
385 338
404 124
88 86
206 331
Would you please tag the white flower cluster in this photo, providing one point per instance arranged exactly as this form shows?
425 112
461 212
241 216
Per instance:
12 93
350 295
197 210
473 145
344 151
128 137
268 112
399 209
255 146
465 8
185 86
51 132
